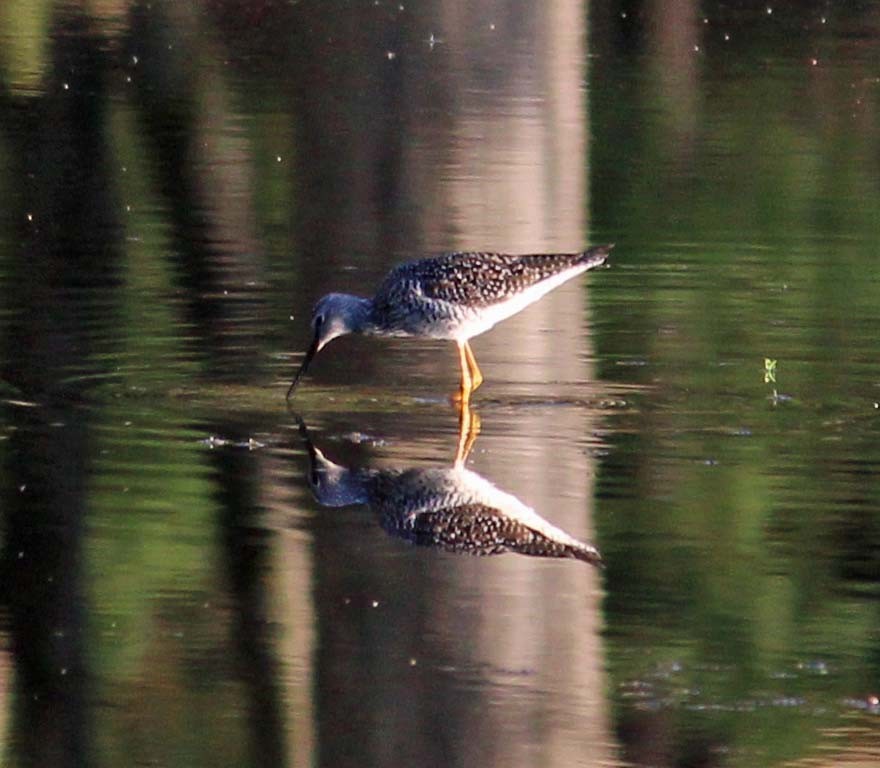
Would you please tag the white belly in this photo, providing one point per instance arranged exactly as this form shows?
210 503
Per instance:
482 319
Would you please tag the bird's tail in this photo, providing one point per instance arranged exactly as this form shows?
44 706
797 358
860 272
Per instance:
587 553
596 256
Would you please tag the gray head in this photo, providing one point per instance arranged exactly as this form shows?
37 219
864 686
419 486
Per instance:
332 484
336 314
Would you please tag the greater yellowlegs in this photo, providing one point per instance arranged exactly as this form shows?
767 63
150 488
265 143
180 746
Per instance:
449 508
454 296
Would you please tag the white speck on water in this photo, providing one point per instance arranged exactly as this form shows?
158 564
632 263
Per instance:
705 21
66 87
128 209
128 78
877 405
347 601
492 27
824 19
22 488
390 55
375 603
277 158
30 217
432 41
63 670
21 554
814 62
134 60
623 14
696 49
769 10
412 662
726 37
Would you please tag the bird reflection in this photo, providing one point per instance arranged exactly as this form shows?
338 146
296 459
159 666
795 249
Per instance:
452 509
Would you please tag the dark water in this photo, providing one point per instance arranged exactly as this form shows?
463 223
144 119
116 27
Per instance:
181 582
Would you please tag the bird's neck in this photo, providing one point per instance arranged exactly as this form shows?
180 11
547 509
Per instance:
361 316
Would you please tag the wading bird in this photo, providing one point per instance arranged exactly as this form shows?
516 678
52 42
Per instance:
455 296
453 509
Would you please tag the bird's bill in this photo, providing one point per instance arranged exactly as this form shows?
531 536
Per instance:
305 364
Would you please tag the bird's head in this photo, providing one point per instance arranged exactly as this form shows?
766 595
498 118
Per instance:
336 314
333 485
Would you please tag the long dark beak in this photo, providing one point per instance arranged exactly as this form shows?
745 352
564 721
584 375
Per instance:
306 438
305 364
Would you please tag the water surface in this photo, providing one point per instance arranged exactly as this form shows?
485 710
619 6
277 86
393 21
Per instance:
180 183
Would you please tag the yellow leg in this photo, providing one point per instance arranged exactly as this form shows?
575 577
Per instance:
476 376
468 430
467 384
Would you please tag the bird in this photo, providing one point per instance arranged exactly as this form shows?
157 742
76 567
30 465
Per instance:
449 508
453 296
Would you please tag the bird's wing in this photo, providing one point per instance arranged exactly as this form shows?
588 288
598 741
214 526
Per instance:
479 529
473 279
